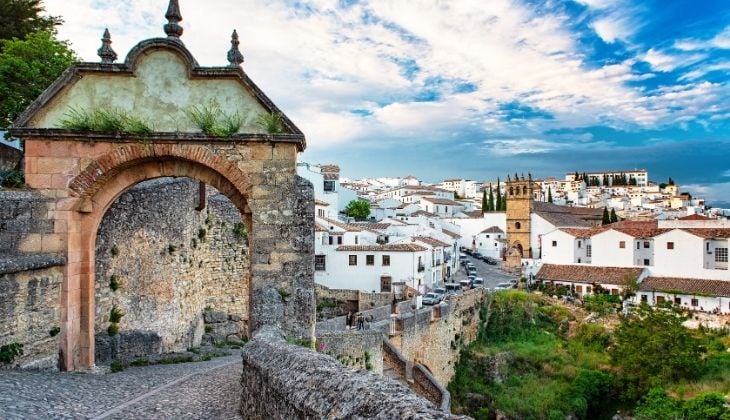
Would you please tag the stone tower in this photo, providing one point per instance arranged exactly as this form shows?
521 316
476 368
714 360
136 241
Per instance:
521 193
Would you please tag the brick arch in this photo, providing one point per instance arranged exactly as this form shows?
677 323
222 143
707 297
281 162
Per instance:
105 167
98 187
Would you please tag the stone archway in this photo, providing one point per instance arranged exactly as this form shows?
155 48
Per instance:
85 170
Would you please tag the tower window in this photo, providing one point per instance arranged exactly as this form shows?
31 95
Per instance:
517 225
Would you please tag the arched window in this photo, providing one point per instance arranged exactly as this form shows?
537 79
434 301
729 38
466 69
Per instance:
517 225
524 190
511 191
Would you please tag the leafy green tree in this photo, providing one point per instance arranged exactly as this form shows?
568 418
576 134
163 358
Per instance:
646 333
614 217
27 68
657 405
19 18
708 406
550 196
358 209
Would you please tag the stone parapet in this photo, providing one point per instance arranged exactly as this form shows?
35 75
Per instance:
281 380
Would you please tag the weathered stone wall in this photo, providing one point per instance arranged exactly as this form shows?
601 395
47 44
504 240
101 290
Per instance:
170 263
29 312
26 223
355 349
440 334
286 381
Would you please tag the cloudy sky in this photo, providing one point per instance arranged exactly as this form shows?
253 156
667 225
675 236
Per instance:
470 88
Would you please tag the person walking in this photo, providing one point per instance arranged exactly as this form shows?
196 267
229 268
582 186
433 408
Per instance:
360 321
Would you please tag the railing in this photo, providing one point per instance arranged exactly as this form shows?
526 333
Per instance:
396 326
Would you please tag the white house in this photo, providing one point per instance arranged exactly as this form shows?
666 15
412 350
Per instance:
440 206
327 188
491 242
692 294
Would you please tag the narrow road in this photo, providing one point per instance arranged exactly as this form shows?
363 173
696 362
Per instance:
203 390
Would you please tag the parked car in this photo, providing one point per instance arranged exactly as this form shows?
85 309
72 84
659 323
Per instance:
503 286
477 282
466 284
477 255
452 288
431 299
490 261
440 291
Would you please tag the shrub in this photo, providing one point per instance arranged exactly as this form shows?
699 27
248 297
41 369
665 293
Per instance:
202 233
115 315
116 366
708 406
9 352
271 123
594 336
105 120
112 330
12 178
239 229
114 282
54 331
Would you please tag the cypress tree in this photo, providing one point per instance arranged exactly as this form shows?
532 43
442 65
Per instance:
498 206
550 195
490 202
606 217
485 207
614 217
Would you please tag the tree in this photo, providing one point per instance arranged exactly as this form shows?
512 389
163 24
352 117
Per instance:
27 68
613 216
19 18
485 205
492 206
606 217
498 205
550 195
671 181
358 209
646 333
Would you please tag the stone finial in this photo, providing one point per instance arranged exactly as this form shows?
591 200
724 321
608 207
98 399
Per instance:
172 29
234 54
106 52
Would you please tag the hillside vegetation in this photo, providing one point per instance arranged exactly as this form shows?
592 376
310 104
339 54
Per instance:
533 359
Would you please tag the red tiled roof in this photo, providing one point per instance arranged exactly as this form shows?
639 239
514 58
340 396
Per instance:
492 229
709 233
330 176
588 274
321 203
430 241
686 286
329 168
346 226
385 247
372 226
442 201
474 214
694 217
452 234
422 213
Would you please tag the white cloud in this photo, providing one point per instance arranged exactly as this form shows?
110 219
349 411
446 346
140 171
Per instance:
720 41
510 147
612 29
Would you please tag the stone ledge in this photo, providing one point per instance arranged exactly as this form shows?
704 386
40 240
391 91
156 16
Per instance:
23 262
281 380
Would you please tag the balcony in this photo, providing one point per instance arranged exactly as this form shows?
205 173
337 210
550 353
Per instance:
421 268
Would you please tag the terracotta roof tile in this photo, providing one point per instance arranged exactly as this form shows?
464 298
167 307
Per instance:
372 226
474 214
588 274
694 217
346 226
686 286
452 234
422 213
492 229
710 233
430 241
442 201
566 216
385 247
329 168
321 203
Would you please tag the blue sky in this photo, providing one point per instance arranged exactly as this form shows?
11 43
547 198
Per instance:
471 88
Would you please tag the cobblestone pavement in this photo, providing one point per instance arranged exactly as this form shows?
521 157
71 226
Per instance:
203 390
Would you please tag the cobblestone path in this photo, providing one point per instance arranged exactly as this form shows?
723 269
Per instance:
203 390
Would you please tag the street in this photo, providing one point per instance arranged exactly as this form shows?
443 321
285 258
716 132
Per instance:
491 274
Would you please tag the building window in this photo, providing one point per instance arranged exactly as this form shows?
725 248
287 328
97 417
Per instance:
695 302
721 255
320 212
518 225
614 292
353 259
677 301
370 260
646 261
331 240
670 245
646 244
385 283
329 186
386 260
579 244
589 250
339 240
356 239
622 244
578 288
588 289
638 245
555 243
320 262
644 298
659 300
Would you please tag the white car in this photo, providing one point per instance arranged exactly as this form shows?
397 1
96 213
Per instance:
503 286
477 282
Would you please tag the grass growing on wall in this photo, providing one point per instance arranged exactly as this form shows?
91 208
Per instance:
105 120
211 120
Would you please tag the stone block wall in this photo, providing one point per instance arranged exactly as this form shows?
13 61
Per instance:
9 157
170 262
29 312
26 223
281 380
436 341
355 349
